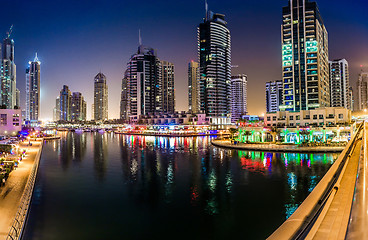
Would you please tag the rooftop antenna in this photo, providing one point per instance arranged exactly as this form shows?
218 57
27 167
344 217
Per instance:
140 38
206 7
10 31
36 58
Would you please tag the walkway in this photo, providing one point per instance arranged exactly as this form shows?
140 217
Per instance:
274 147
11 193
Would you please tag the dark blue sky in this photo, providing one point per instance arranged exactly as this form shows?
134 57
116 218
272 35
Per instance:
75 39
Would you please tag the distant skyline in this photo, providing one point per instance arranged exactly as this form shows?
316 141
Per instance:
77 39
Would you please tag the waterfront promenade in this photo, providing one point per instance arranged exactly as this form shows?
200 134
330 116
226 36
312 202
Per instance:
275 147
11 193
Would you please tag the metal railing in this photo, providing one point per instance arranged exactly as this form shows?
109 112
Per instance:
306 216
358 221
17 227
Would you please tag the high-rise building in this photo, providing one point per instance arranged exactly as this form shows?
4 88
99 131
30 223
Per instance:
339 84
56 113
124 99
362 101
100 98
17 99
351 97
143 76
78 107
65 103
214 51
8 74
305 67
167 90
274 95
33 76
238 96
193 86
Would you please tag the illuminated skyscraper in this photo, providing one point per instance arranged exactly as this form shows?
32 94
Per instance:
33 76
274 91
215 65
124 99
339 84
78 107
362 102
167 89
304 57
193 87
100 98
238 97
8 74
143 75
65 99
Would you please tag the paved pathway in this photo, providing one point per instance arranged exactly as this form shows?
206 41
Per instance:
274 147
11 193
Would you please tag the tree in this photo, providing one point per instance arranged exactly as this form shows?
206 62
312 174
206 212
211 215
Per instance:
247 134
274 132
232 132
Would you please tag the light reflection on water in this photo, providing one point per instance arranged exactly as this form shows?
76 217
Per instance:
134 183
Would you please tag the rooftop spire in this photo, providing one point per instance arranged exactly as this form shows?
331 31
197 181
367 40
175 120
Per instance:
206 7
10 31
36 58
139 37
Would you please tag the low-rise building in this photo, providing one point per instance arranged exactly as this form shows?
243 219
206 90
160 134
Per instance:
10 121
329 116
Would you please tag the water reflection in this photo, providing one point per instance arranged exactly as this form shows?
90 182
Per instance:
148 182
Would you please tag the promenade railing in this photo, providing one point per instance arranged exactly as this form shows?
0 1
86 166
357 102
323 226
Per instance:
20 219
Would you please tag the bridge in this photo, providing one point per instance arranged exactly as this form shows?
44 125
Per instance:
338 206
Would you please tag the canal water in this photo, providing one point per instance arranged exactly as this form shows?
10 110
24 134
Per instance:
107 186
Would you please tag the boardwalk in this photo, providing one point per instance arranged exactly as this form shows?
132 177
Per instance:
11 193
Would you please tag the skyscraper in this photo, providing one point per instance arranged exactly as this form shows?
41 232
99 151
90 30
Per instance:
339 84
274 95
8 74
100 98
56 115
167 89
65 99
193 86
33 76
124 99
304 57
143 75
238 96
78 107
215 65
362 87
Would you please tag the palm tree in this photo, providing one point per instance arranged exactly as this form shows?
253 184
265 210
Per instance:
247 133
303 133
274 132
232 132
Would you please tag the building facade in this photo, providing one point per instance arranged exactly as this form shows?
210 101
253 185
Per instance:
339 84
8 74
10 121
193 87
274 95
78 107
124 99
167 90
33 78
56 110
214 51
305 67
65 99
317 117
362 101
143 76
238 97
100 98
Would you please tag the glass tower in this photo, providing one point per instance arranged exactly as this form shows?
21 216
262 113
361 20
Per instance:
33 76
304 57
215 65
100 98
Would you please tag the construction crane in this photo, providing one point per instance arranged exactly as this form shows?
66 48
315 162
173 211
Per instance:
10 31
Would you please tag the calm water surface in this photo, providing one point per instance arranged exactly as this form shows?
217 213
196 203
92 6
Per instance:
107 186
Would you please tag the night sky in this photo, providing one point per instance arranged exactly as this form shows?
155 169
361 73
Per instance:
75 39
